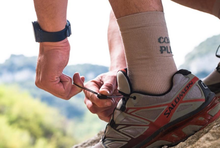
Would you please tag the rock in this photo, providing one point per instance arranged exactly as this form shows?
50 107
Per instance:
89 143
208 137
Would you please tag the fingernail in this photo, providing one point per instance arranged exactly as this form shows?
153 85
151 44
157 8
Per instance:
108 92
105 91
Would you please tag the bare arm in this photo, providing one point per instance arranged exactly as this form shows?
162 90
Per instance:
53 56
51 14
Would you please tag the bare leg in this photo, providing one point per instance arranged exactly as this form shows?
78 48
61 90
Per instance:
208 6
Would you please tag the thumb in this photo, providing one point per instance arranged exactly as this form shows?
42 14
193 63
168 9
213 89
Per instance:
75 89
82 78
107 88
77 79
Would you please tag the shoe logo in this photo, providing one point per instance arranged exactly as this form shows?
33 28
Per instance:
180 96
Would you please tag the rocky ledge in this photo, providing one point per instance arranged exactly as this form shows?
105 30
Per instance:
208 137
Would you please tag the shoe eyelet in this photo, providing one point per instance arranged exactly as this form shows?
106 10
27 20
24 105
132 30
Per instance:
134 98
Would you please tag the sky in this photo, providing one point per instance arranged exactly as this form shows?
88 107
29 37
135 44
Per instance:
89 21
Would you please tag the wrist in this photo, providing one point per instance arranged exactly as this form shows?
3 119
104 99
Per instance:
61 45
58 43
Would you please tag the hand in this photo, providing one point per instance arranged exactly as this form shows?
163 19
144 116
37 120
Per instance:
104 84
52 59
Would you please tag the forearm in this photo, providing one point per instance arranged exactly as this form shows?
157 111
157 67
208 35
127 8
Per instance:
116 47
51 14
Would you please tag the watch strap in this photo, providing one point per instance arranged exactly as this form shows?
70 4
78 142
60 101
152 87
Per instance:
44 36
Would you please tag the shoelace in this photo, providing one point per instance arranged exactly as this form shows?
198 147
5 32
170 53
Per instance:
100 96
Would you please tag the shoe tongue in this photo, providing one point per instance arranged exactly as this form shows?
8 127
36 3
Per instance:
123 86
123 83
120 103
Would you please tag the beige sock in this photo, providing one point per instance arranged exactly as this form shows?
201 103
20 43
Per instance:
216 8
148 52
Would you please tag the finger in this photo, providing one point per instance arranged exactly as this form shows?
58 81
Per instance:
93 97
65 82
82 78
103 113
68 89
109 86
104 117
107 89
65 89
75 89
91 107
77 79
106 114
95 100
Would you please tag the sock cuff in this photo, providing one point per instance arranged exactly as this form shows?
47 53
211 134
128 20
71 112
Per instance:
216 8
139 20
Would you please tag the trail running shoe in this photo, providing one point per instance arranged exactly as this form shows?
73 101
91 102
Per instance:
152 121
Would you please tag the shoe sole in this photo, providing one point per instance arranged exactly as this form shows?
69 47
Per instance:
193 122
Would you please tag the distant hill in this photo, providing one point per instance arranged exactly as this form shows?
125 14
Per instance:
20 70
202 60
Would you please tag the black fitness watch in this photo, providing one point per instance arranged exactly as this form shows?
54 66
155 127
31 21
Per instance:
44 36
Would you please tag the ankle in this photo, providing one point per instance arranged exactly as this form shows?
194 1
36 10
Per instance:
156 80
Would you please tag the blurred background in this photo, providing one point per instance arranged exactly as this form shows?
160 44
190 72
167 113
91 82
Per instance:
32 118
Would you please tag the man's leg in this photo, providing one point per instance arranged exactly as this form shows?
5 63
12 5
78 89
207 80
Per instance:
147 45
180 105
208 6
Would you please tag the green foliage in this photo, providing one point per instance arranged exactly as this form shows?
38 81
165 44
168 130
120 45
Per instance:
48 128
28 123
88 126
